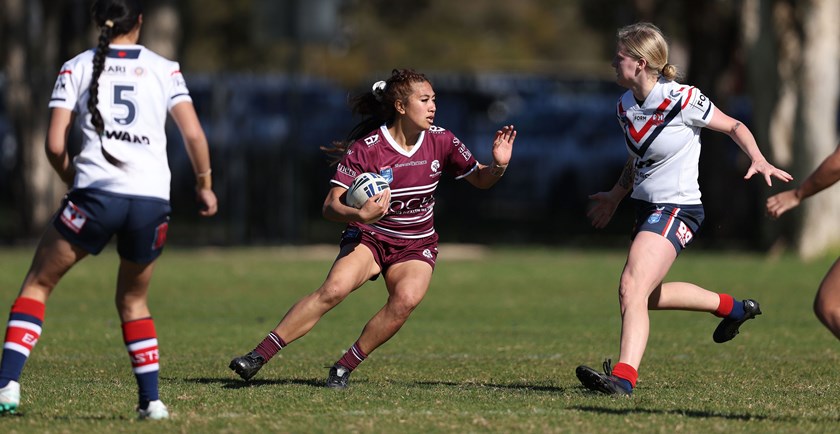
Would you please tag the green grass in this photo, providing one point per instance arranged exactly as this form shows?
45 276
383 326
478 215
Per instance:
492 348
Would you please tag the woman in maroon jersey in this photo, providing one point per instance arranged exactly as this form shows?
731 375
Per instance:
393 232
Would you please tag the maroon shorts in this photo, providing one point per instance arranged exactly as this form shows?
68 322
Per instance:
388 251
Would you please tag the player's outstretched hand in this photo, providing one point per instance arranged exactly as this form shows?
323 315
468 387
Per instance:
601 208
780 203
768 170
503 145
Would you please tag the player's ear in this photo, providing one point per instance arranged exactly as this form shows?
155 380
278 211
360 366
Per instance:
399 106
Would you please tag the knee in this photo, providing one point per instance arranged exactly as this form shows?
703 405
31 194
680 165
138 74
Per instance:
331 294
825 310
630 294
403 305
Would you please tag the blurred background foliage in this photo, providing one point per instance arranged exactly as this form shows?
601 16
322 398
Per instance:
270 80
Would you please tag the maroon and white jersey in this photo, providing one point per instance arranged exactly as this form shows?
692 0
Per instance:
413 176
663 135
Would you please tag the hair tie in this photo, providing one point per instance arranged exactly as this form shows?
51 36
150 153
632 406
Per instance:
663 68
109 23
378 89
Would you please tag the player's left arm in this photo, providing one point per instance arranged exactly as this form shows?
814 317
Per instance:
198 151
744 138
487 175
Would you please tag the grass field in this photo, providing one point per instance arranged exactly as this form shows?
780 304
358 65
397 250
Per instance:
492 348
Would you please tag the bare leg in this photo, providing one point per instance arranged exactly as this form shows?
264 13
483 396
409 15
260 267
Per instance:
54 256
353 267
827 301
132 290
683 296
649 260
407 285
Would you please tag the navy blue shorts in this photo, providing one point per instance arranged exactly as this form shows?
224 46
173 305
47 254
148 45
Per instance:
678 223
89 218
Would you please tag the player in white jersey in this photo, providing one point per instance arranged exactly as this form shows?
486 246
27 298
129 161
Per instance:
827 300
393 232
119 95
661 120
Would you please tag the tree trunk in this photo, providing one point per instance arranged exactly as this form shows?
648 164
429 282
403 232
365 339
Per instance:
792 51
816 128
31 39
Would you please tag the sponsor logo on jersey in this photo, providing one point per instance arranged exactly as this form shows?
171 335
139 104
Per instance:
412 163
684 234
125 136
464 152
410 206
73 217
388 173
700 101
674 93
114 70
346 170
428 253
657 118
372 140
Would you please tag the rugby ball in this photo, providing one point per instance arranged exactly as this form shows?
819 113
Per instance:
363 187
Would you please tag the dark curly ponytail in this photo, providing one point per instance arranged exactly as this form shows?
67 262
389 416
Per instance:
114 18
378 107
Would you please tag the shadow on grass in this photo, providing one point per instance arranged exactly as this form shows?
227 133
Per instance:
233 383
689 413
514 386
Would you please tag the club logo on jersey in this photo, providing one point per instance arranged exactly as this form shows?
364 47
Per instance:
435 166
73 217
428 254
372 140
139 71
656 216
388 173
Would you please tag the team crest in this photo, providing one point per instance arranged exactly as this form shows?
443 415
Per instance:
388 173
656 216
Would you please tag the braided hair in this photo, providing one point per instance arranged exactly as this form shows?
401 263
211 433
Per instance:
377 106
113 18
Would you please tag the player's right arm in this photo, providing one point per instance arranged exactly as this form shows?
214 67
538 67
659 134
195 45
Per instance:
825 175
56 145
604 204
335 209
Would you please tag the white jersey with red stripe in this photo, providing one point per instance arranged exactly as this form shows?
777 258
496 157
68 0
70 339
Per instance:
663 136
413 176
137 89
